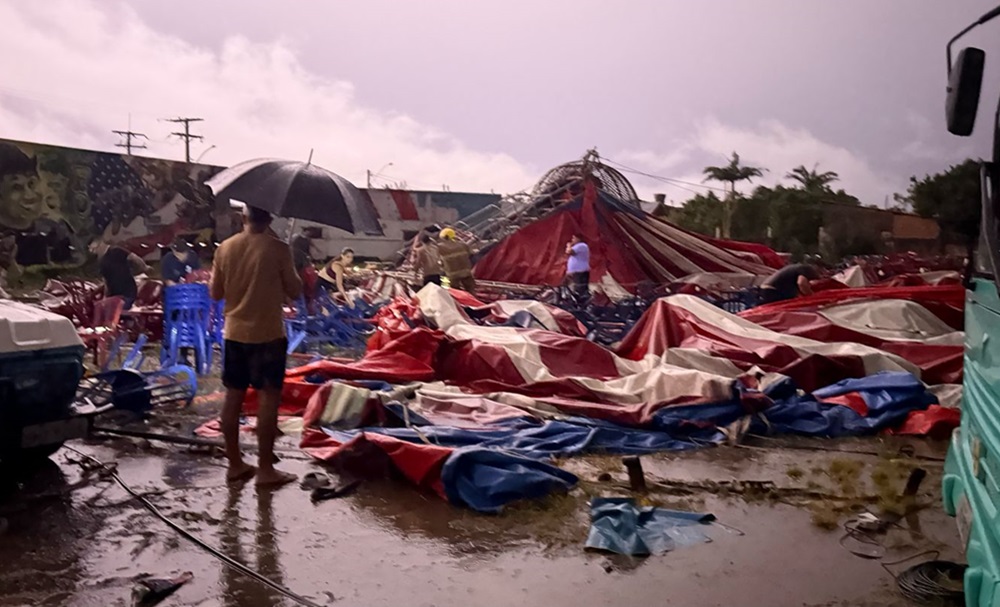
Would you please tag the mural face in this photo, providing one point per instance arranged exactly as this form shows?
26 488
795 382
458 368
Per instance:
55 201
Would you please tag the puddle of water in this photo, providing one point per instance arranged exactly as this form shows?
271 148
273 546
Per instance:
388 545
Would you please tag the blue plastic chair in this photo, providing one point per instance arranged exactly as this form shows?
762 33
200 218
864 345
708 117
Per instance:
735 302
350 325
187 312
334 325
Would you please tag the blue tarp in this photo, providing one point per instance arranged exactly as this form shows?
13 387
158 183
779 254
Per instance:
617 524
486 480
890 397
533 438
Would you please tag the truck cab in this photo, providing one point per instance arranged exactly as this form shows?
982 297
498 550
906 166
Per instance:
971 485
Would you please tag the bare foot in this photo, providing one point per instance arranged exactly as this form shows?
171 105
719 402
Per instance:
273 478
242 472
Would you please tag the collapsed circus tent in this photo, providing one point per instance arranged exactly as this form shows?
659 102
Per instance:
628 247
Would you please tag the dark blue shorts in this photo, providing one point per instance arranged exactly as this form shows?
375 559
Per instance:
260 366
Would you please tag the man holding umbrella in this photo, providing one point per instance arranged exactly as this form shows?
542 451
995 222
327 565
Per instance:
254 273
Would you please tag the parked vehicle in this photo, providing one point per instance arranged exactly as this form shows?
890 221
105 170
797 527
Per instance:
41 365
971 487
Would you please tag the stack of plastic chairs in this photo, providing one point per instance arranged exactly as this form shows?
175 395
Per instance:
187 310
352 326
335 325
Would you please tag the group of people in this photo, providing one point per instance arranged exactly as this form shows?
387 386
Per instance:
445 254
119 266
450 257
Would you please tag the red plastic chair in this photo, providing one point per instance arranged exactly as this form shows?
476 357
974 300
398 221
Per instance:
104 328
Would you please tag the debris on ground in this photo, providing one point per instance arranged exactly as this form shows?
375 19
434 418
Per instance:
149 591
620 525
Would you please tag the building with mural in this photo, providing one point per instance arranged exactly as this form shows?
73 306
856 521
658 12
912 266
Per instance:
55 201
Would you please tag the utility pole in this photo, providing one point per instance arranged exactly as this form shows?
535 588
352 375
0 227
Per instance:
369 174
186 135
128 136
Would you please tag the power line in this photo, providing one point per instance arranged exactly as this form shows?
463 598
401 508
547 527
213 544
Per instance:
128 136
186 135
680 183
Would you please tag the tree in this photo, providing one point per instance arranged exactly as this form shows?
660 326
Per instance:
794 216
751 217
732 173
812 180
702 214
951 197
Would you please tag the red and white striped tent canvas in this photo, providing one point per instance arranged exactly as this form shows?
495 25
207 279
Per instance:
628 247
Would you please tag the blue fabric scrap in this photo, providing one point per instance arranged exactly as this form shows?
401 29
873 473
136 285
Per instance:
890 397
618 525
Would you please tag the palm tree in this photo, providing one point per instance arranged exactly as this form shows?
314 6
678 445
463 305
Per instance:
731 174
812 181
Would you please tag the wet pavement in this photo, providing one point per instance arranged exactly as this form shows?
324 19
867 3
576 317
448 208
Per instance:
76 539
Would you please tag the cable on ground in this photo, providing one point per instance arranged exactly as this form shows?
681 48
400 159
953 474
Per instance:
934 581
227 560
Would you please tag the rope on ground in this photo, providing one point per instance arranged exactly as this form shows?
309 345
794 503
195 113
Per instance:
229 561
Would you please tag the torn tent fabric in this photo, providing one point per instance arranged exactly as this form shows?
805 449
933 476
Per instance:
853 407
628 247
697 376
898 326
816 345
485 465
484 480
684 321
545 439
945 302
618 524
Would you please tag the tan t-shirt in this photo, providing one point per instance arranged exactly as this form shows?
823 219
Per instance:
254 273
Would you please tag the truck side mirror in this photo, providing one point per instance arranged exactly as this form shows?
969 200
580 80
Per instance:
965 80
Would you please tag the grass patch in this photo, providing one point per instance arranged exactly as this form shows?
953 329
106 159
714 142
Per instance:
889 478
845 473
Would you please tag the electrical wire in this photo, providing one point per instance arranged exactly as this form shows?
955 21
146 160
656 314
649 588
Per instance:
668 180
238 566
923 582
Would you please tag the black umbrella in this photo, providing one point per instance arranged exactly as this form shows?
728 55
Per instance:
297 190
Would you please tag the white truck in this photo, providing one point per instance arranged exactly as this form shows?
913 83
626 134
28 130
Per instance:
41 365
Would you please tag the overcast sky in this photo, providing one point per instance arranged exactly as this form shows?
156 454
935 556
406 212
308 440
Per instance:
488 95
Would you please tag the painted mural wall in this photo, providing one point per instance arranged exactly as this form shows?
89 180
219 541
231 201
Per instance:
55 201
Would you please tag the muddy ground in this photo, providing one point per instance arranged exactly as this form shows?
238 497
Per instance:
74 538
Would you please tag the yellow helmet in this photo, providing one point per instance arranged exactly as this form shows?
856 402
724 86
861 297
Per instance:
448 234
